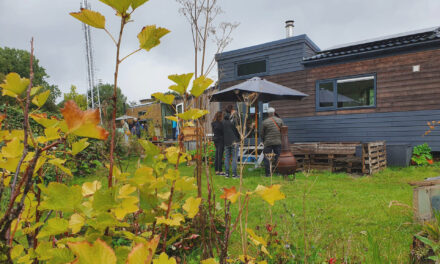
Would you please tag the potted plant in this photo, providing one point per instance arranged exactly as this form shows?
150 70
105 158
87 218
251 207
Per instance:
422 155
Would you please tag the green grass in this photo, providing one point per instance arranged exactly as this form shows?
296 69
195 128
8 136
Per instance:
340 210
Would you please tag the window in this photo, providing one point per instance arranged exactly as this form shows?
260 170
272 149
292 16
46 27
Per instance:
344 93
249 68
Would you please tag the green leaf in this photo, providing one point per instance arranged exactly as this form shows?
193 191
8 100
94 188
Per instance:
150 36
193 114
89 17
164 98
104 200
79 146
119 5
54 226
87 253
14 85
182 82
200 85
137 3
60 197
150 148
40 99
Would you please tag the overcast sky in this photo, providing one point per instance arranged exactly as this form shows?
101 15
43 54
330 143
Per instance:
59 41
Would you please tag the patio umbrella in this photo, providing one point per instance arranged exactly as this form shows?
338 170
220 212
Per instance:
125 117
267 91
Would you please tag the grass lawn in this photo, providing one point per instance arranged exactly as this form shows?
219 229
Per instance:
339 211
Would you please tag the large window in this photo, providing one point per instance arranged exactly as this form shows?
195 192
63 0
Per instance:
250 68
342 93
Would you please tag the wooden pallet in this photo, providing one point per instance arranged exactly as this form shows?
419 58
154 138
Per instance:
374 157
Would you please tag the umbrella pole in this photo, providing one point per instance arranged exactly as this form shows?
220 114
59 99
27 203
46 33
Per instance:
256 130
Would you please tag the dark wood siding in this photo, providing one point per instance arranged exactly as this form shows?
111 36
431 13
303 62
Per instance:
393 127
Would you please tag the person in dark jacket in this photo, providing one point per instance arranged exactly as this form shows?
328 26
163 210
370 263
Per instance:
137 128
217 129
271 136
231 138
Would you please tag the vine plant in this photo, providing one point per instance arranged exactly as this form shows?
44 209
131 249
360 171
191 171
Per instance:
64 223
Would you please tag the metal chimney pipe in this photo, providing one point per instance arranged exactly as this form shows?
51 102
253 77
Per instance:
289 28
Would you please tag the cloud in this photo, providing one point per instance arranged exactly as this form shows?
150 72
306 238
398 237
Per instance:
60 43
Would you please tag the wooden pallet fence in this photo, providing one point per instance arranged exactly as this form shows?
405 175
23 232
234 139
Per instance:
374 157
340 156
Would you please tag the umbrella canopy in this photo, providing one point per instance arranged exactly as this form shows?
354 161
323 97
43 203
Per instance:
268 91
125 117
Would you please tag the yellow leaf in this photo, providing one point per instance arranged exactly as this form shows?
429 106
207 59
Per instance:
89 17
173 153
182 82
40 99
257 240
174 220
83 123
200 85
143 253
150 36
51 133
230 194
119 5
87 253
79 146
16 251
164 98
172 174
270 194
76 222
89 188
191 206
59 163
185 184
143 175
209 261
164 196
14 85
127 206
34 90
193 114
125 191
13 149
246 258
163 259
44 121
172 118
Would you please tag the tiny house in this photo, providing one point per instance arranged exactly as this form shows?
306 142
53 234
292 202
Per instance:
386 88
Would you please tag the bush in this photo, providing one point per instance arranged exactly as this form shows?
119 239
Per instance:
422 155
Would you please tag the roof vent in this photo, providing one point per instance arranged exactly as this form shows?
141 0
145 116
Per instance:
289 28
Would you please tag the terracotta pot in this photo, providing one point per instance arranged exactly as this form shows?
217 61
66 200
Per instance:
286 160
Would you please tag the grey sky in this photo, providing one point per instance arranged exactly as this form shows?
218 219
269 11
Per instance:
59 42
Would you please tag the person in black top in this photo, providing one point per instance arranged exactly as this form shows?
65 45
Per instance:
217 129
231 139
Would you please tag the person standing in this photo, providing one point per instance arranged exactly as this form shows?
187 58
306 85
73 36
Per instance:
230 138
217 129
137 128
271 136
174 124
125 130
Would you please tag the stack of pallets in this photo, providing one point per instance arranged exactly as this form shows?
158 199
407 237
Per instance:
374 157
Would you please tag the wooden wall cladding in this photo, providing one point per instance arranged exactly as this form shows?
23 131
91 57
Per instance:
398 87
